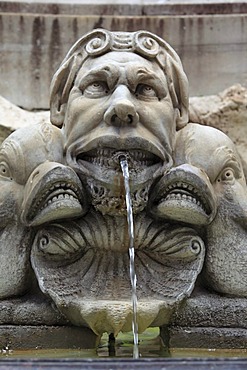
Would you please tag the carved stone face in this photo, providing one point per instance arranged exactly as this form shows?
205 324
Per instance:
113 104
120 104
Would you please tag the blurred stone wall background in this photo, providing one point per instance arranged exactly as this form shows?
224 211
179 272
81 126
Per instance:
210 36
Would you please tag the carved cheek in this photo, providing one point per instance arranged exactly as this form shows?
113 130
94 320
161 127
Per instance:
87 111
10 199
226 191
159 119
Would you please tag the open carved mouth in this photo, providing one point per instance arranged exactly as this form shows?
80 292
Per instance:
110 158
184 194
105 180
97 163
182 191
59 195
56 194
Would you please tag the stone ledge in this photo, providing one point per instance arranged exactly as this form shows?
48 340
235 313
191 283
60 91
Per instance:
30 310
206 309
13 337
208 320
123 364
211 337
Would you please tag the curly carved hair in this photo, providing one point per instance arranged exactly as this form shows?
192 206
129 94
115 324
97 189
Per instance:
99 42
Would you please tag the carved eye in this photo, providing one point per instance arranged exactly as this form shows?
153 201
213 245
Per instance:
4 170
227 175
145 91
96 89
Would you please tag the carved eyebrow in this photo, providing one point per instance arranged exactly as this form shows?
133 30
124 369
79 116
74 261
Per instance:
144 71
229 158
147 76
106 73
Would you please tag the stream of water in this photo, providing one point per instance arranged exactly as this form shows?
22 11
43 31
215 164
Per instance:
133 279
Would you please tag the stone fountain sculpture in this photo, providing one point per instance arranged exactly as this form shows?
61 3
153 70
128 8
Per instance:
121 94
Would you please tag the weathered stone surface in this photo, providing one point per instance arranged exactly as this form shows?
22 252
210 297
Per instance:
210 337
226 111
13 337
205 309
78 263
13 117
20 155
208 320
120 99
225 250
123 7
31 309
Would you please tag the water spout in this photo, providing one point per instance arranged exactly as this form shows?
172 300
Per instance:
133 279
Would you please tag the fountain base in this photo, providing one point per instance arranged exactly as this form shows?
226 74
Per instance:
205 320
208 320
33 322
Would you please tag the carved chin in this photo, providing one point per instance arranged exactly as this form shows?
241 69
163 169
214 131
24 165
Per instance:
105 201
106 182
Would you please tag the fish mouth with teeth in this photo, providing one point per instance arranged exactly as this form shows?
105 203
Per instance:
55 194
184 194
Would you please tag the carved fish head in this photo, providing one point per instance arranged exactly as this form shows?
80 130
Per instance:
31 191
184 194
207 172
52 192
20 154
213 152
31 160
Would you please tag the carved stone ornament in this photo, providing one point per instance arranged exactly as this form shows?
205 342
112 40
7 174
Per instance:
63 213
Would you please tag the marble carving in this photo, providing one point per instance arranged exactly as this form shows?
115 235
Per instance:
63 213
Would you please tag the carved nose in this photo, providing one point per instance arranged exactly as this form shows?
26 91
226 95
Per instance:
121 112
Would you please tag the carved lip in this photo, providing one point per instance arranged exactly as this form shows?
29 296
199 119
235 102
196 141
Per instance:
59 196
133 144
184 194
55 194
99 159
110 158
180 191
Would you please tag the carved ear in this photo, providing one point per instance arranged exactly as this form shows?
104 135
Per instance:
57 111
177 83
178 88
61 86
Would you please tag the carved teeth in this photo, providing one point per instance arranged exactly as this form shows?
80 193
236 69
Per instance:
58 191
110 157
183 191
